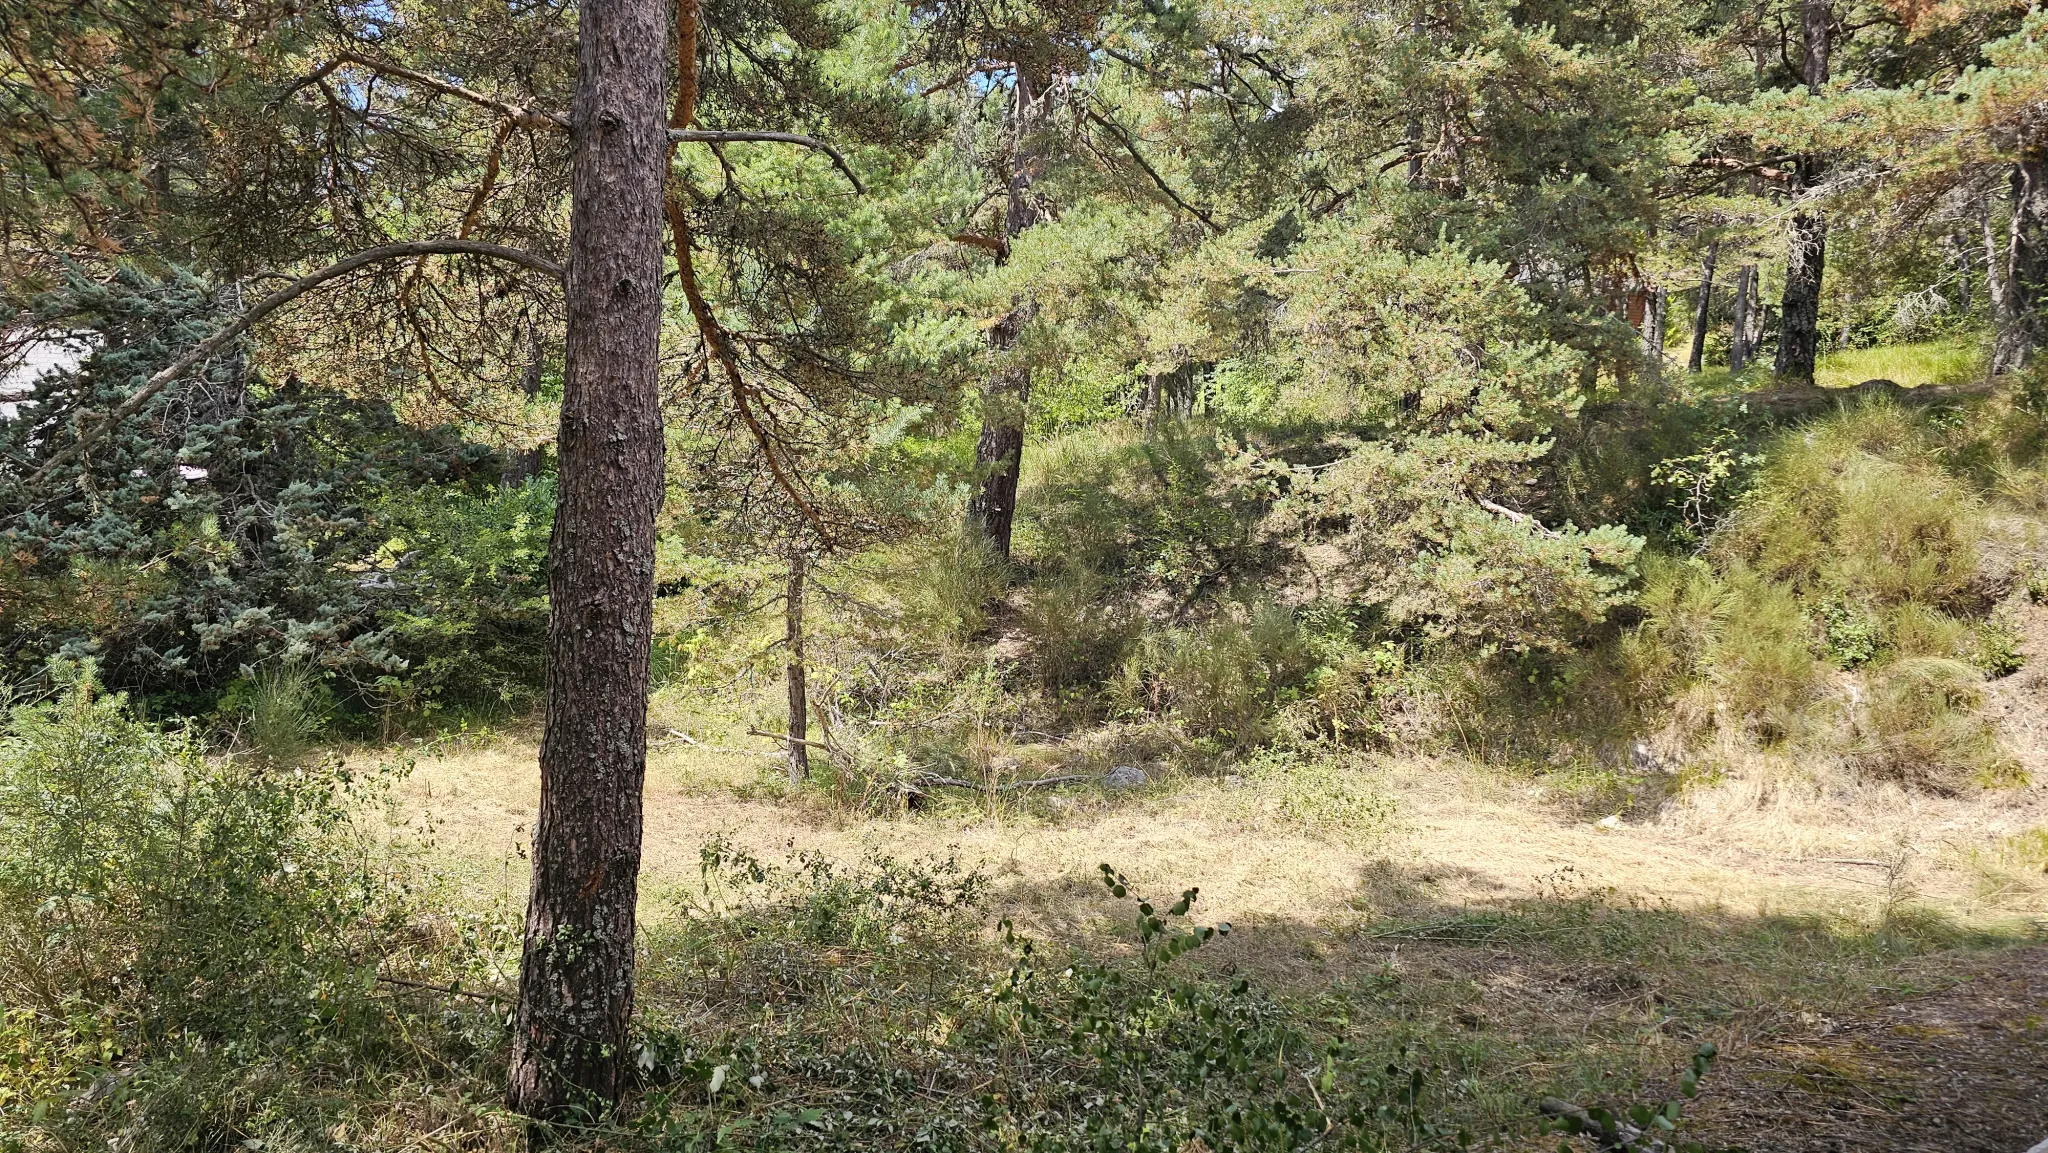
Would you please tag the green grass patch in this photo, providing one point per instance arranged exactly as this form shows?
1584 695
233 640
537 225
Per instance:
1911 365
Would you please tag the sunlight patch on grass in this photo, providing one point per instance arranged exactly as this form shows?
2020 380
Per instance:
1911 365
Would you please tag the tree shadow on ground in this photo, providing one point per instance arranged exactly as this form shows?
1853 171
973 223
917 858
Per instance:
1908 1035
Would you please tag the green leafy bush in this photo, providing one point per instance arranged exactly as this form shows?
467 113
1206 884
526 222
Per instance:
1080 632
1740 640
1222 680
1179 509
945 586
468 568
279 710
179 929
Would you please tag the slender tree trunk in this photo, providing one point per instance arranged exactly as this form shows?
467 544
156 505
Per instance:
523 464
570 1029
1806 256
1411 136
1741 342
1653 330
793 672
2007 341
1695 358
1155 389
999 453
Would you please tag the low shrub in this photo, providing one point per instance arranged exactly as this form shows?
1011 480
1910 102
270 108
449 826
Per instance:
1080 632
1920 726
189 945
279 711
1180 509
1740 640
1857 507
946 585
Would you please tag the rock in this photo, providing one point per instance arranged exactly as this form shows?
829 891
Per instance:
1611 821
1125 777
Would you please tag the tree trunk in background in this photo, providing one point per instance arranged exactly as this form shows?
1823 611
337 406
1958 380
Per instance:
1695 358
1741 341
1653 330
523 464
569 1036
1799 316
999 453
1806 257
2020 295
793 672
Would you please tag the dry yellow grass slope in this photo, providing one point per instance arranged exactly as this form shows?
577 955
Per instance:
1772 840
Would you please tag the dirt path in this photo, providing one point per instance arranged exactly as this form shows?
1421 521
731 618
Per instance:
1960 1071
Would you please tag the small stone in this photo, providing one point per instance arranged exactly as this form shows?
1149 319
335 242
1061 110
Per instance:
1611 821
1125 777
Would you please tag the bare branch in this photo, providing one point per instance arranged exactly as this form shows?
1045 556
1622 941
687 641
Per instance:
719 345
198 353
518 114
1733 164
1131 146
1517 517
710 136
996 244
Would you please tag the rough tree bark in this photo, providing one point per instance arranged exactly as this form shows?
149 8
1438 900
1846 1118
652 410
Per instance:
569 1039
1742 340
793 672
1806 256
999 453
2020 292
1695 358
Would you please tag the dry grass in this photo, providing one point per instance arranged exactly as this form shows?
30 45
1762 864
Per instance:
1770 837
1487 930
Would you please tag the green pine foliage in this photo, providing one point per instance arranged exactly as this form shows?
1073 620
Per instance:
235 523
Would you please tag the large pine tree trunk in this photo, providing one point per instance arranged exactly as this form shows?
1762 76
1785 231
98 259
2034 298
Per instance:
793 672
1806 255
1742 340
1799 318
570 1039
999 453
1695 357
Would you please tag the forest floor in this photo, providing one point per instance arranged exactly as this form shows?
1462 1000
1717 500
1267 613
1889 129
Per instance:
1866 956
1954 1071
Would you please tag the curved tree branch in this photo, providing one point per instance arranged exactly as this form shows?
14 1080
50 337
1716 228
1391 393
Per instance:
711 136
1131 146
526 117
198 353
518 114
